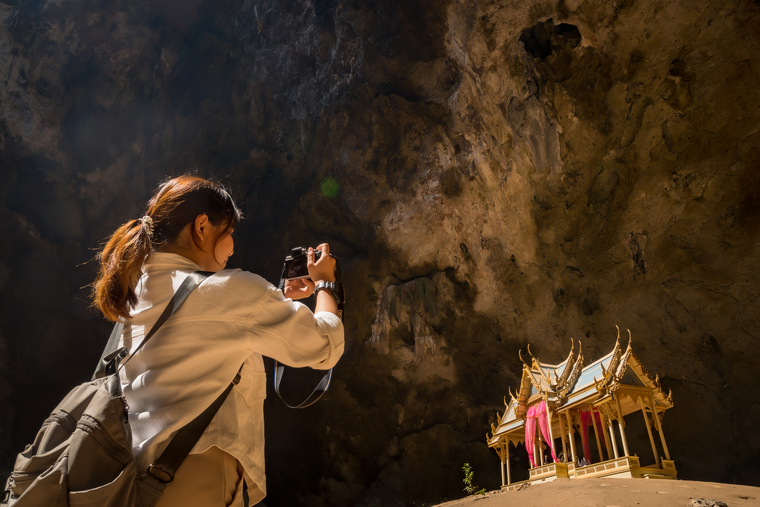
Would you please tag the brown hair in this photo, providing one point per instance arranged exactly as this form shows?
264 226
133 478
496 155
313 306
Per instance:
175 204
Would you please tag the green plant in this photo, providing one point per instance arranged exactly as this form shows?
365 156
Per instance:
468 487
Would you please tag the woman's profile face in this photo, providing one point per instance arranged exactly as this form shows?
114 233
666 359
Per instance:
225 247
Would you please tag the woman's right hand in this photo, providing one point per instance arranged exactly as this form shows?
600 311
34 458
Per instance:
324 269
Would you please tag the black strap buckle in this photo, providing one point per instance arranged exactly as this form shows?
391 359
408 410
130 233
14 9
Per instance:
161 475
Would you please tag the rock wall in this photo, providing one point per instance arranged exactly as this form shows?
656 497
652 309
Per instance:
491 174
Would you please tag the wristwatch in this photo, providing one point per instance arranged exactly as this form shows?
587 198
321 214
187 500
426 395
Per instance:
331 286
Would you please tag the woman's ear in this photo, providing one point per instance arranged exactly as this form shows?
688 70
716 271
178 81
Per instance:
202 228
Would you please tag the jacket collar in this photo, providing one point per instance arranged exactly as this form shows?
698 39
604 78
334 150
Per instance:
160 261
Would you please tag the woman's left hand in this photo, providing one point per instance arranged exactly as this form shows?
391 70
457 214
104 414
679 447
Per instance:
299 288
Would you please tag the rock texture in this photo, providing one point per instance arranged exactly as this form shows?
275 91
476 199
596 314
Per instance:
491 174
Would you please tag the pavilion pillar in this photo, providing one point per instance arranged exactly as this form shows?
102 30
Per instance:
621 425
659 429
570 435
509 473
504 459
596 434
612 437
551 433
606 435
562 435
649 431
540 448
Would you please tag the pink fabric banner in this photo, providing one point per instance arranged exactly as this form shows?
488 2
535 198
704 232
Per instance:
530 437
543 423
585 423
537 413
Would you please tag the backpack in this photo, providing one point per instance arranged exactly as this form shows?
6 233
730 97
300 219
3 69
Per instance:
82 455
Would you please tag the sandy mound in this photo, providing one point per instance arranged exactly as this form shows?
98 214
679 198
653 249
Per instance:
616 493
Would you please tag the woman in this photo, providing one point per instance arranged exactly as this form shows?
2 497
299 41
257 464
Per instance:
234 317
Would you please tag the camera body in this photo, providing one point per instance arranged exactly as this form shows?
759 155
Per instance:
295 263
296 267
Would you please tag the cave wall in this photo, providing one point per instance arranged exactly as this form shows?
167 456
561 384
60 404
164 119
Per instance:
491 174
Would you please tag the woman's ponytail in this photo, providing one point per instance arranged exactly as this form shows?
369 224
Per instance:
120 267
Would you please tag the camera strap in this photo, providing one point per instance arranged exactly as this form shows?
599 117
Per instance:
316 394
279 369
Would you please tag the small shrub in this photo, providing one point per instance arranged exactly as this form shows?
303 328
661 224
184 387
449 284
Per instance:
468 486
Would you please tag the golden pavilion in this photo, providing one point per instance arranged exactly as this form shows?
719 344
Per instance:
562 411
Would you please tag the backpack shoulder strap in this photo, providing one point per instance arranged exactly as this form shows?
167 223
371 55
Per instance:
188 285
107 356
166 465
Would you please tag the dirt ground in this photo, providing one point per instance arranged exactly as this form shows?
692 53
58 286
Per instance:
615 493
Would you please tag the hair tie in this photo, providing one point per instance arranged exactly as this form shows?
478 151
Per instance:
148 223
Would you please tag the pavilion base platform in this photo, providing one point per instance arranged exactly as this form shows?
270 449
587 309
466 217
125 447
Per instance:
515 486
627 467
668 471
549 472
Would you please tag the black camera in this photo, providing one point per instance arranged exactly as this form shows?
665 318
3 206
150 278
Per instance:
295 263
295 267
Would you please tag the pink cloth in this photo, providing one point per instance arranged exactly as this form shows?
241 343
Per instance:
537 413
530 436
585 423
543 423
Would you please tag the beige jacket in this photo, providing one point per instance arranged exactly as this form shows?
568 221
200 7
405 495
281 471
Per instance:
233 318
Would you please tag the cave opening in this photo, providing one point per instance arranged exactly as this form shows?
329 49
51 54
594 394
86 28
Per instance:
543 38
